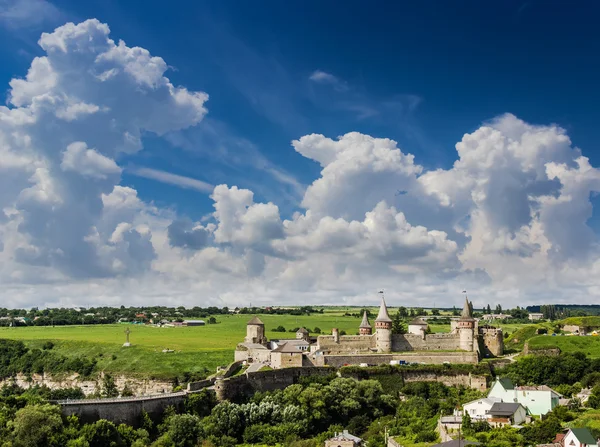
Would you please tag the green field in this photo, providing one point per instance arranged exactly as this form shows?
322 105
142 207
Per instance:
198 350
589 345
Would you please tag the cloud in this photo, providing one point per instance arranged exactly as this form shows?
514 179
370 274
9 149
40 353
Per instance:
65 127
509 219
321 77
172 179
27 13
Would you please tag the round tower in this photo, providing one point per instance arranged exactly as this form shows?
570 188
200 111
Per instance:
365 327
383 329
255 331
466 328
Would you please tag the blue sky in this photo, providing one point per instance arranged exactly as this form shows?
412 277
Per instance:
427 75
422 73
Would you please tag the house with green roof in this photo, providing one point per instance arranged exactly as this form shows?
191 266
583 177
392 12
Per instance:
580 437
538 400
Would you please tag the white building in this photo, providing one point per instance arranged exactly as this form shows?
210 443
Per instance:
538 400
579 437
536 316
478 409
417 327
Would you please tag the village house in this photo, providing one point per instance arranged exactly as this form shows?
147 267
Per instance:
344 439
506 413
478 409
538 400
574 437
533 316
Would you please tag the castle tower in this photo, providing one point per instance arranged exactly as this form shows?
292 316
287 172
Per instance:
365 327
255 331
383 329
466 328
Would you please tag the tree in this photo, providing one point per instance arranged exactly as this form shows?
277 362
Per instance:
398 326
488 309
212 320
317 330
102 433
201 403
127 391
498 309
37 425
435 312
109 387
184 430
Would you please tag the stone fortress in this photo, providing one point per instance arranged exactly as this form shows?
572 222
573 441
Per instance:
467 342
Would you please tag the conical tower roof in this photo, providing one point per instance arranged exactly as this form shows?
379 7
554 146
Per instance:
466 312
383 313
365 322
255 321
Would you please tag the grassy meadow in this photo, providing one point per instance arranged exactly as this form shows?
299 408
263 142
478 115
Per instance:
198 350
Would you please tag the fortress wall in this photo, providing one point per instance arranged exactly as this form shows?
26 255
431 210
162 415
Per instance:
197 386
235 388
123 410
407 374
462 357
431 342
348 343
493 341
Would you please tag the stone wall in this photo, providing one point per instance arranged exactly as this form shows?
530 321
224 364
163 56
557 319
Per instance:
348 343
461 357
123 410
554 352
139 387
431 342
197 386
235 388
406 374
492 342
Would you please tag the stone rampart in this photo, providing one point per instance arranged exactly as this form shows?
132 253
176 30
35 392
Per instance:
236 388
347 343
122 410
430 342
197 386
462 357
407 374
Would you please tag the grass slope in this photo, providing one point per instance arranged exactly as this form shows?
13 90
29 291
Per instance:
582 321
587 344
